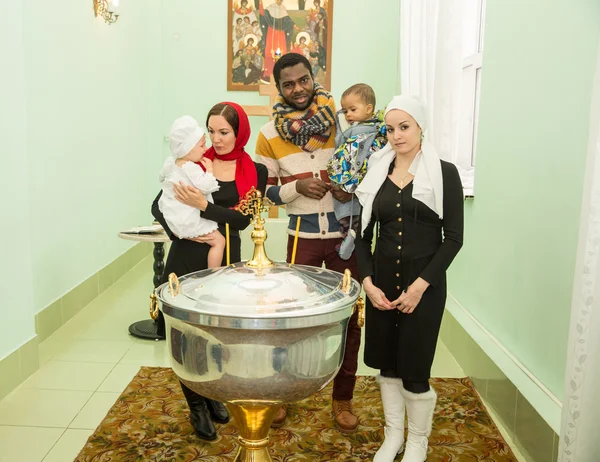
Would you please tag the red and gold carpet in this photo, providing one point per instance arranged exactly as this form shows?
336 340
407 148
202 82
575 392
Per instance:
149 422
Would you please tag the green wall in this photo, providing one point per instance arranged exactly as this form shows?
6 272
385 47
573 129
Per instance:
93 144
515 271
80 122
16 308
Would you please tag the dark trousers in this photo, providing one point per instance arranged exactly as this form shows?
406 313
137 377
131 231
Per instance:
315 252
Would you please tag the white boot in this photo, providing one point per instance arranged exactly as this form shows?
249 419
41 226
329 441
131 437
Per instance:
393 408
420 408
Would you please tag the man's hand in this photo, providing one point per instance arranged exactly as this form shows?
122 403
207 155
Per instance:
313 188
340 195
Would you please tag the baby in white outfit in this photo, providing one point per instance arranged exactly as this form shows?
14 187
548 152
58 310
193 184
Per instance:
188 145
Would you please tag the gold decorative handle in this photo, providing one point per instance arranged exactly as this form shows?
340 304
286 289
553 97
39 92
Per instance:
360 306
360 303
173 284
153 307
347 281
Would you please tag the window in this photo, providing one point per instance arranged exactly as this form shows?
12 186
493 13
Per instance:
472 54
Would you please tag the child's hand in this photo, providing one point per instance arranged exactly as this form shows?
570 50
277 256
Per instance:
202 239
208 165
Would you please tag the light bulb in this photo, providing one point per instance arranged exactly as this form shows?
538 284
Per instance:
113 6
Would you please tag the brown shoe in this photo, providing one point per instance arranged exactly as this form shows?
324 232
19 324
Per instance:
344 417
280 417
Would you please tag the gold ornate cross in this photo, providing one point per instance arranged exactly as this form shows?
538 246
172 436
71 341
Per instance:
254 204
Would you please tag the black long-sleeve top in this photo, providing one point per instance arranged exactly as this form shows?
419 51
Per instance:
412 238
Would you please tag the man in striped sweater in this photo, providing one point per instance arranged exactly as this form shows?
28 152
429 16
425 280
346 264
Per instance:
295 147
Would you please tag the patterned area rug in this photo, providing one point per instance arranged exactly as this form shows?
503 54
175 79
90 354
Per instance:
149 422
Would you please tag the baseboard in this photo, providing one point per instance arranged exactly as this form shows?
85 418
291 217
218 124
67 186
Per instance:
530 413
18 366
56 315
24 361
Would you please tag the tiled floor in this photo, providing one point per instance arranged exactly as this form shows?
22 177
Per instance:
86 365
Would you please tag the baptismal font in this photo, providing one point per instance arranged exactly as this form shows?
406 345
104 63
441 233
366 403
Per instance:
258 334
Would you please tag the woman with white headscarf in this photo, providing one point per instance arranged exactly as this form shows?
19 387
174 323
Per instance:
413 203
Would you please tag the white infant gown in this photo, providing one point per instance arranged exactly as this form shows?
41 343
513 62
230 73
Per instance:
185 221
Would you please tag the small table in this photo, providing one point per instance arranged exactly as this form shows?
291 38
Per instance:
148 328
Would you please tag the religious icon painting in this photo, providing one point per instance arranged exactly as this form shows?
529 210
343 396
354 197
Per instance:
261 31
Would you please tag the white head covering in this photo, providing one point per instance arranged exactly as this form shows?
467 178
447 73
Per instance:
427 168
185 134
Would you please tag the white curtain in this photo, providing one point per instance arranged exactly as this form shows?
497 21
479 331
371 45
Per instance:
580 440
431 59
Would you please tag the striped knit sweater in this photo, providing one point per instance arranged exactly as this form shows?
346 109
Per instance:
288 163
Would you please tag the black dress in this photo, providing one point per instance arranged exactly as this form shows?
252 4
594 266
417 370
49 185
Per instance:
187 256
412 242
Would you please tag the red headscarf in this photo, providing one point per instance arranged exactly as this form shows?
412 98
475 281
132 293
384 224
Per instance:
245 170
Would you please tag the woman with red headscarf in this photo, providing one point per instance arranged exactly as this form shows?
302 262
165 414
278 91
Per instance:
236 173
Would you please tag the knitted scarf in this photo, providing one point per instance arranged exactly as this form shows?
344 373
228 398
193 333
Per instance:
309 129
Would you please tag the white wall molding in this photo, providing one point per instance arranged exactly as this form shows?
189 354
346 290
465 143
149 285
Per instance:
539 396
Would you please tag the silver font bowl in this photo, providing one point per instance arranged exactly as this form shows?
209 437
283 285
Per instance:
247 335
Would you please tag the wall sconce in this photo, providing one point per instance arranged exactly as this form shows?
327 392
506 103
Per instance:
106 9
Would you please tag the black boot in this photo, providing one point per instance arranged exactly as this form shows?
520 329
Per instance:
217 411
199 415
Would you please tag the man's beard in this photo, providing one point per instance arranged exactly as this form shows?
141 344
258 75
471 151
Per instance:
304 106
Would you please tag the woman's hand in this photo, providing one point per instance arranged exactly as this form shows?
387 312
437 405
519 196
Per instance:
410 298
190 196
376 295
